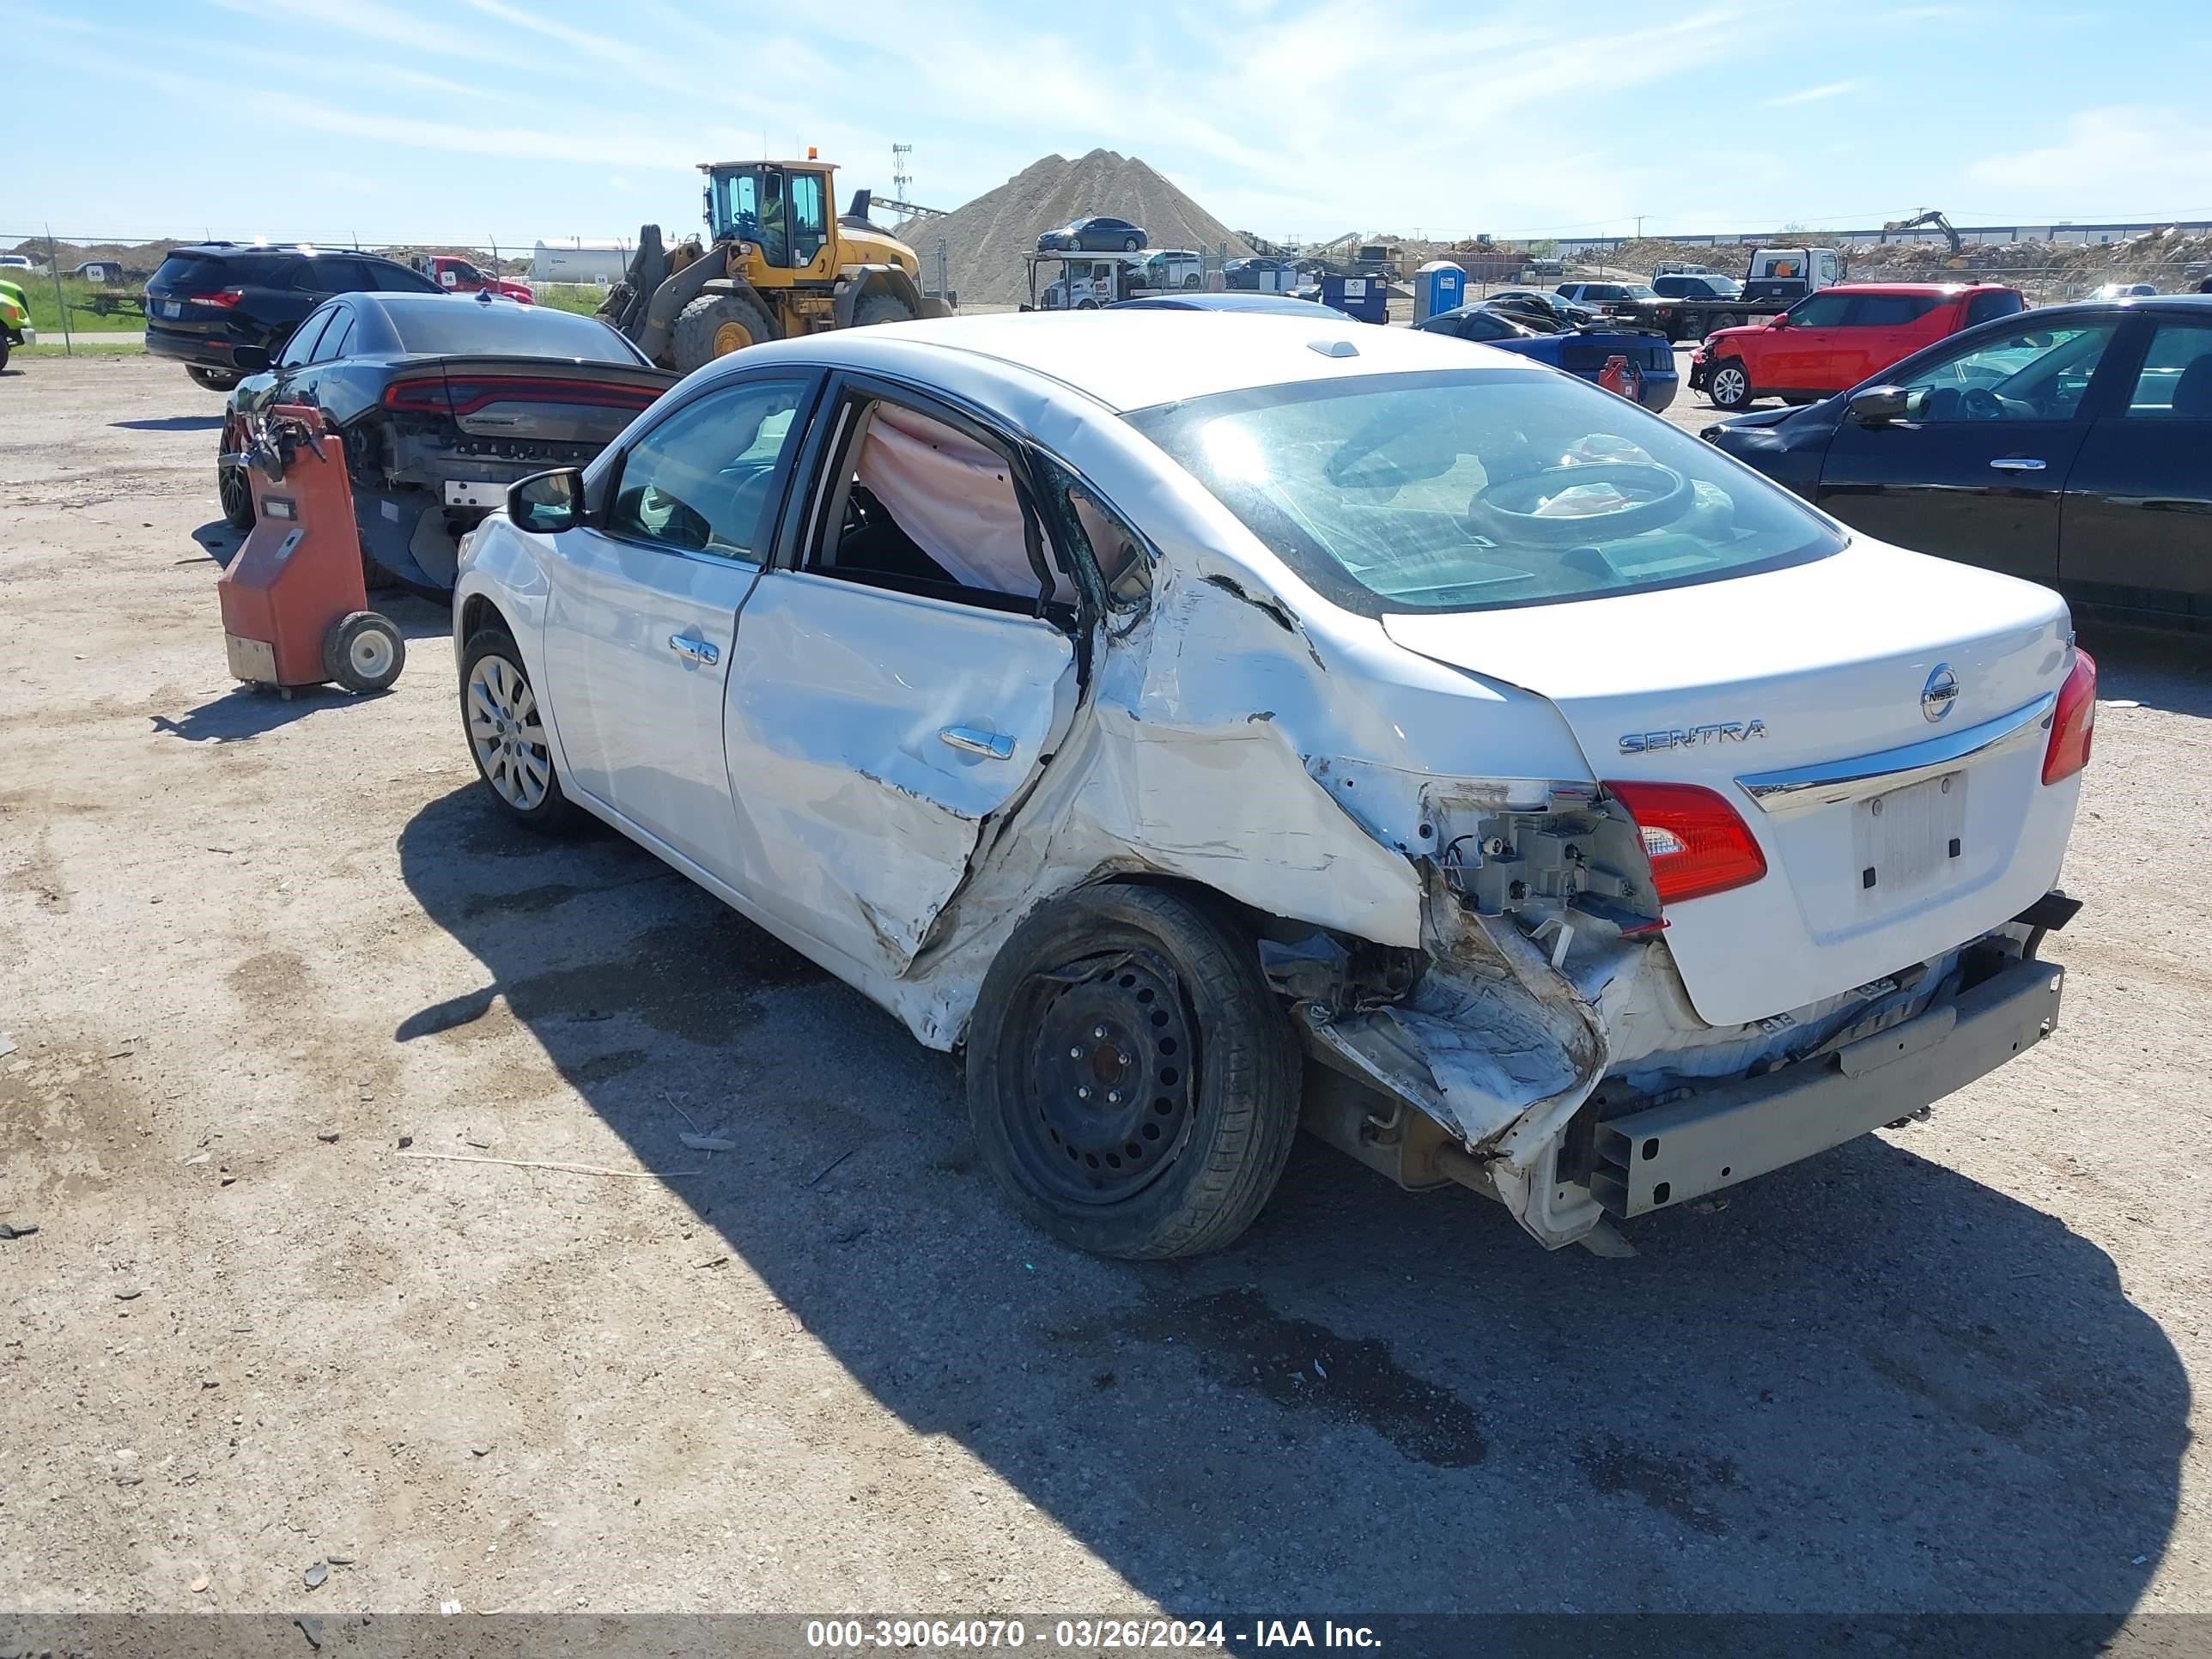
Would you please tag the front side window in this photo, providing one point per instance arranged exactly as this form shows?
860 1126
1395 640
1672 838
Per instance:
1988 307
2024 375
1480 489
703 480
1822 311
2175 381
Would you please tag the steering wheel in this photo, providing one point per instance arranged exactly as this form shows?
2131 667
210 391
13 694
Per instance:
1978 403
1506 511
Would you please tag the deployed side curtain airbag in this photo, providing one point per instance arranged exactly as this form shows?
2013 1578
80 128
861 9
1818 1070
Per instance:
952 496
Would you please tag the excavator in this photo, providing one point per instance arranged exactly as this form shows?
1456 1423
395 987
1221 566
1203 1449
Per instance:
1930 219
776 265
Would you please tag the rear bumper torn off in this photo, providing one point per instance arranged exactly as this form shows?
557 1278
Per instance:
1652 1159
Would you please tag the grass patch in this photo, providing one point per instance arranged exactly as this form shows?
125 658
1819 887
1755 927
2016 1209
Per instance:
46 310
582 298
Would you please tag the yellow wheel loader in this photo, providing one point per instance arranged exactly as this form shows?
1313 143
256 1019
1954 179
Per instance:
777 265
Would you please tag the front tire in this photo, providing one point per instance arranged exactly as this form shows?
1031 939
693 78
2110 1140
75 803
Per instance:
1728 385
506 733
716 324
881 309
1132 1080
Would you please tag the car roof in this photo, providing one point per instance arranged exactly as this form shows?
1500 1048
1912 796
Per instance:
1277 303
266 250
1126 360
1917 288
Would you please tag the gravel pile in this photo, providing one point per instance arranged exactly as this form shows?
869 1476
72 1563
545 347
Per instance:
984 241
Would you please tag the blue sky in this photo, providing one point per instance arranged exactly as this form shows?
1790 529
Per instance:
460 119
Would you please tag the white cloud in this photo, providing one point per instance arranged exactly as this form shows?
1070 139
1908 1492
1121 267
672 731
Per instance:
1812 95
2126 161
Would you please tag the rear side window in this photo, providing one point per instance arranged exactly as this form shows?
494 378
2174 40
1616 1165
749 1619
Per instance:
1985 307
398 279
452 327
2175 381
195 273
1890 310
328 273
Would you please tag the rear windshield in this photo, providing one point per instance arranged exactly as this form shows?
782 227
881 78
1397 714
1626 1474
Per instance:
204 272
451 327
1480 489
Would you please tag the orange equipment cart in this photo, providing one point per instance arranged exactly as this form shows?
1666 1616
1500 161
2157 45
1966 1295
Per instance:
294 609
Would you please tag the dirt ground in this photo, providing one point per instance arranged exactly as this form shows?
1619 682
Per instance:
250 950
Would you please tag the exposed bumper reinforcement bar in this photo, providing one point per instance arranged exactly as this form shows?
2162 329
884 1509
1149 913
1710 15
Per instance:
1651 1160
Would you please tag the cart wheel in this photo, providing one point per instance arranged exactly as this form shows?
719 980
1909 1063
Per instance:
363 651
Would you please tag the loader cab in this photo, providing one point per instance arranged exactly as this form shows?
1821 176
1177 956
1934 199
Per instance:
782 208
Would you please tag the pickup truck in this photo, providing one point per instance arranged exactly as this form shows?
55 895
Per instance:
458 276
1837 337
1774 279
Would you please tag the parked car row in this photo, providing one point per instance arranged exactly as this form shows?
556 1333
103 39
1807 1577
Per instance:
2070 445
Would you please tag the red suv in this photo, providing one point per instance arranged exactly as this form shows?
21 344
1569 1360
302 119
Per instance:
1838 338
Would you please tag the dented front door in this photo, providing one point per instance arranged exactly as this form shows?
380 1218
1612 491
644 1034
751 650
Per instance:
870 734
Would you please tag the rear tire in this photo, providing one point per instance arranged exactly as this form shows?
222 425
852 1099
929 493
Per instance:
232 488
1728 385
499 703
716 324
881 309
1130 245
215 379
1724 319
363 653
1191 281
1165 1135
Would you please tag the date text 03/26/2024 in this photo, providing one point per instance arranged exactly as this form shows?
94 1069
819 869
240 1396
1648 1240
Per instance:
1081 1635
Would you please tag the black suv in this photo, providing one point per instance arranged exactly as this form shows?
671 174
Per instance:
224 310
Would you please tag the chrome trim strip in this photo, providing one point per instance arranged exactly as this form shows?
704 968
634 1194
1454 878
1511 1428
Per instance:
1799 788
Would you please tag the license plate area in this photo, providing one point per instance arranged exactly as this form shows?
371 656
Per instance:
171 308
1909 839
473 492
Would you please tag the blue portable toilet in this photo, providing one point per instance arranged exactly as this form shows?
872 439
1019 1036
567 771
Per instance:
1438 286
1365 298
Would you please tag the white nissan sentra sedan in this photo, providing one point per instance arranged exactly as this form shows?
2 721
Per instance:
1218 723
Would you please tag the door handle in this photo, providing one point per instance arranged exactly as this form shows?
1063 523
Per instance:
994 745
2016 463
704 651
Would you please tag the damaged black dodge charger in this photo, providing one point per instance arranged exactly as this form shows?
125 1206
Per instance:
443 403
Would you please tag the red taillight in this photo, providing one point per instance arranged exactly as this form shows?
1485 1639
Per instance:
226 298
2073 722
1697 842
425 397
465 394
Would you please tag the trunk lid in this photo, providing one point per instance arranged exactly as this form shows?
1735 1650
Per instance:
1909 835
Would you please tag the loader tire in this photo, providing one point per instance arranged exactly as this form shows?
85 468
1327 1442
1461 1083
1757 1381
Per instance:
881 309
716 324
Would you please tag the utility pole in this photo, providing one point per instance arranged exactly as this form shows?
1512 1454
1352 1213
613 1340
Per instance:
1639 226
902 173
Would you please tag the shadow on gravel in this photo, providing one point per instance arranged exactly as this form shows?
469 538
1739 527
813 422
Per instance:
171 424
247 711
2158 670
1865 1384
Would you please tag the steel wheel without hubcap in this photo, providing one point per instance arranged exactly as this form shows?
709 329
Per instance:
370 655
731 337
1111 1072
506 734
